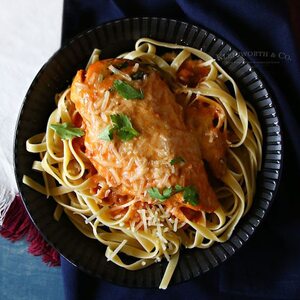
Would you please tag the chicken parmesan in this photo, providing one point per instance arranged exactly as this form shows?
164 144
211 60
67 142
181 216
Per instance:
148 153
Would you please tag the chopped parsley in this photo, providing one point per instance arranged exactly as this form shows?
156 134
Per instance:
166 193
67 131
177 160
190 194
121 126
127 91
178 188
107 133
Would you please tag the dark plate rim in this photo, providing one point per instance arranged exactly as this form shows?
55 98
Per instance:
189 25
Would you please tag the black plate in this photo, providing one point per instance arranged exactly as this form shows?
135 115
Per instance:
114 38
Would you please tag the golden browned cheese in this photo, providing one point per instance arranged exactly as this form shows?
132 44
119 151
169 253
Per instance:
131 167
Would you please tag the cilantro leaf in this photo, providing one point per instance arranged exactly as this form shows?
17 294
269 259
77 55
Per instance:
120 121
67 131
127 91
191 195
107 134
126 134
123 127
178 188
167 192
154 193
177 160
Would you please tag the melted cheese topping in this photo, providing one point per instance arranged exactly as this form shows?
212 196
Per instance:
132 167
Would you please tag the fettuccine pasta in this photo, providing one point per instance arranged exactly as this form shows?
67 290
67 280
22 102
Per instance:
150 152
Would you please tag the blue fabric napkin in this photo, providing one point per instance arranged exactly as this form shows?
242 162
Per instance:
268 267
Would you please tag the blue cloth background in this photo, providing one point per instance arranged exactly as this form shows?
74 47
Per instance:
268 267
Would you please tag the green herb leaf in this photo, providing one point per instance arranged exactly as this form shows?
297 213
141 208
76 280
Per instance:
126 134
123 127
178 188
191 195
138 75
67 131
127 91
177 160
167 192
107 134
154 193
121 121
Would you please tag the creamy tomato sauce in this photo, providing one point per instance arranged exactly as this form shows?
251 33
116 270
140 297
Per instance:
166 130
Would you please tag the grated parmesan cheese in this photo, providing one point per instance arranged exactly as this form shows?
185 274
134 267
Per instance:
105 100
135 67
118 72
107 192
115 151
115 252
80 86
157 259
175 225
104 117
132 224
119 216
115 175
92 78
212 135
142 213
130 163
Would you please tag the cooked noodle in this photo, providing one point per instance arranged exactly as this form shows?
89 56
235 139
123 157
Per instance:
107 198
